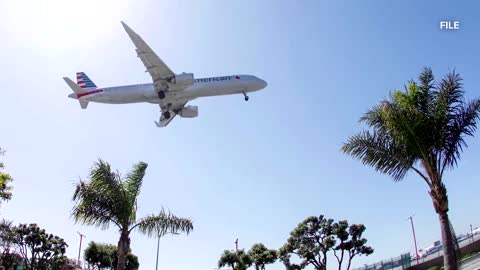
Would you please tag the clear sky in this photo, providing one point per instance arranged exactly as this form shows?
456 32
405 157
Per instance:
251 170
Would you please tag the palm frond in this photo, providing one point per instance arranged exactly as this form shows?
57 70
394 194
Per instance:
103 199
375 117
427 80
5 223
449 98
134 179
92 207
110 185
394 119
463 123
426 87
380 152
102 177
163 223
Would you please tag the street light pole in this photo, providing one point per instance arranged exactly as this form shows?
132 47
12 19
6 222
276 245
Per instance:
471 231
158 246
414 238
80 247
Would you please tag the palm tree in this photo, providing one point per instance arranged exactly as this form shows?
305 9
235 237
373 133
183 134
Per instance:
110 199
422 129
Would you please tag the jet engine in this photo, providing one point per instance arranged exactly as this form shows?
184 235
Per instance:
182 80
189 112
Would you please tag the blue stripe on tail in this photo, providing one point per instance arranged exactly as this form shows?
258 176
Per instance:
84 82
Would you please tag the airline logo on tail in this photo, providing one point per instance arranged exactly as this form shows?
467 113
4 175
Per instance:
84 82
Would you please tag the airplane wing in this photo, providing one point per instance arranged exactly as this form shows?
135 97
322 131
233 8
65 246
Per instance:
155 66
172 110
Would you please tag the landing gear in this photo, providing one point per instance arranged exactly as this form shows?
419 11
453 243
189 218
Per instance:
166 115
161 94
245 95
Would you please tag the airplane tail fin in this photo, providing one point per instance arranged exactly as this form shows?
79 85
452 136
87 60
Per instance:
84 82
77 91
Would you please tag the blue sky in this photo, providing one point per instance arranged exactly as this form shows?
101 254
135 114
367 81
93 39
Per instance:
252 170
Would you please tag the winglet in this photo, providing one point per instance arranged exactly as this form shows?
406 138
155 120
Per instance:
129 30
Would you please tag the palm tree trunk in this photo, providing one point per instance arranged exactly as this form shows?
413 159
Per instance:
449 258
438 193
123 248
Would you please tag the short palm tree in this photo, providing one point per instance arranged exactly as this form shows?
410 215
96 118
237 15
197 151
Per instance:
422 129
110 199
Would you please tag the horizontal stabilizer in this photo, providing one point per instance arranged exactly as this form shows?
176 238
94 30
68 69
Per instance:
75 88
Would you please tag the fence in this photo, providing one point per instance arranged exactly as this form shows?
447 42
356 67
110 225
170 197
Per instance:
397 263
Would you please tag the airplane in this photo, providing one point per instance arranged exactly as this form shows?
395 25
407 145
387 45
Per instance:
170 91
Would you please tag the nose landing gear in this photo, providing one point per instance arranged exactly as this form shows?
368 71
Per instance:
166 115
245 95
161 94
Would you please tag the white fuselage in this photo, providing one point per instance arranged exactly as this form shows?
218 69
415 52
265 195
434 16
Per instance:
203 87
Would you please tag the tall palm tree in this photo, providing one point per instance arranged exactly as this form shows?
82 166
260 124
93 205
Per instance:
423 130
110 199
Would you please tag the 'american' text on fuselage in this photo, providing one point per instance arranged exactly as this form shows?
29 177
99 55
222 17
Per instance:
213 79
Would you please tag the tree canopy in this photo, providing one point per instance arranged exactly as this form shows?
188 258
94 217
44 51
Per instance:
105 257
349 241
237 260
39 250
8 257
312 240
5 182
262 256
421 129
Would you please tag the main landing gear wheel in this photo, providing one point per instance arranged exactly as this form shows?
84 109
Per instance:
161 94
245 95
166 115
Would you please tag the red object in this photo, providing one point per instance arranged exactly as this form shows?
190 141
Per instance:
414 238
89 93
